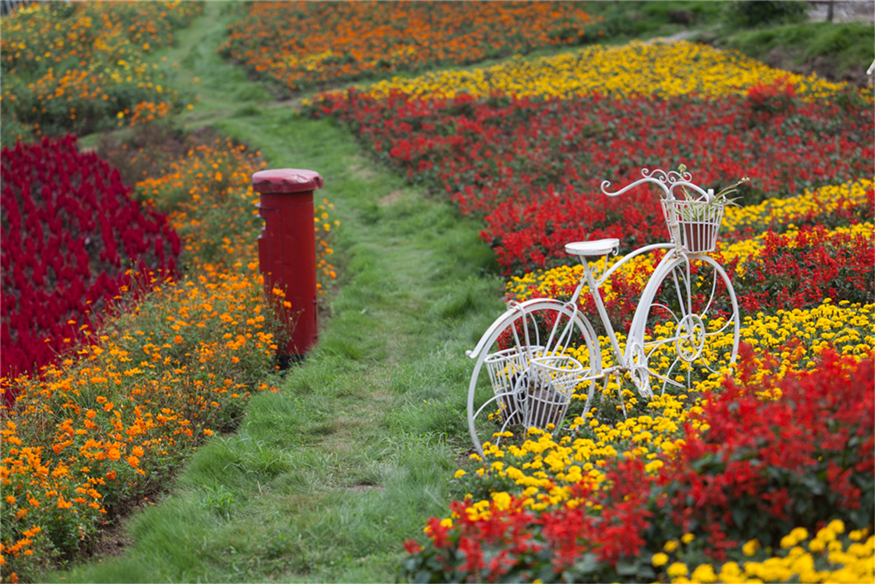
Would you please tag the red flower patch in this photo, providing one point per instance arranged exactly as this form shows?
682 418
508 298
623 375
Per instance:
72 241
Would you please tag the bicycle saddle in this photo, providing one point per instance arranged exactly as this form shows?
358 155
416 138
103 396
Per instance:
596 247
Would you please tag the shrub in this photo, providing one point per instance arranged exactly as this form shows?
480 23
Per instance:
754 13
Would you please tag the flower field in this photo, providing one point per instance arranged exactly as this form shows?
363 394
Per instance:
78 67
743 472
531 163
135 323
304 44
689 487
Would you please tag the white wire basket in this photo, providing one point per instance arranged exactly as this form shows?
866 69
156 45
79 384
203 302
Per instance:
551 384
507 374
694 225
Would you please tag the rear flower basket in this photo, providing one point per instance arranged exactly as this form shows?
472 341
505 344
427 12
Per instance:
532 390
694 225
552 380
507 372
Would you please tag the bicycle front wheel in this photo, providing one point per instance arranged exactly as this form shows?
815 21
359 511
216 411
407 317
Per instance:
685 328
532 364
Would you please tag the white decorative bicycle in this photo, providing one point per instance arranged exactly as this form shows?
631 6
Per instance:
539 354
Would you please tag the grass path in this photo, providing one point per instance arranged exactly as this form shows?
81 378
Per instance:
325 479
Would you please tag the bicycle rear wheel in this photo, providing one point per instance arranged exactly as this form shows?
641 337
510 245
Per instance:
686 326
532 363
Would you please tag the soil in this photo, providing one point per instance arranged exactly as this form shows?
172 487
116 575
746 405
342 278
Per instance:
824 67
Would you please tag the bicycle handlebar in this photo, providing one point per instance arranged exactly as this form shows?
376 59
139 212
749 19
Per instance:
667 181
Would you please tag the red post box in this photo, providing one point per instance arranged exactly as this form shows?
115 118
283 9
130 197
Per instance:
287 253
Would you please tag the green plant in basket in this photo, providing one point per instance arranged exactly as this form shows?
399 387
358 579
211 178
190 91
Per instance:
700 217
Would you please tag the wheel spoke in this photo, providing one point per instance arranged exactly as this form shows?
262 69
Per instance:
729 322
713 293
680 295
670 311
658 343
665 378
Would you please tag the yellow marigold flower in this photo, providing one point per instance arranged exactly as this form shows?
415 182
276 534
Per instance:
670 546
688 537
788 541
502 500
459 474
677 569
704 573
751 547
659 559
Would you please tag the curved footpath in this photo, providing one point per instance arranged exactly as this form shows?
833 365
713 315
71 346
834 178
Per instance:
324 480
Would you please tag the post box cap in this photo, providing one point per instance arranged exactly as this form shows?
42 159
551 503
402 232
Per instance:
286 180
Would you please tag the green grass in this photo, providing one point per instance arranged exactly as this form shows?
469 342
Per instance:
847 46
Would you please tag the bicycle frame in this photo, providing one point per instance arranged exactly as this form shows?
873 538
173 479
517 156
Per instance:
594 285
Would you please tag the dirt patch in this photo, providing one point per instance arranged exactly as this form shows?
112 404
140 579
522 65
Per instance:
113 541
146 151
824 67
391 198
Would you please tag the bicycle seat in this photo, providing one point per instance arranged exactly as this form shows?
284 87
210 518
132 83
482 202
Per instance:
596 247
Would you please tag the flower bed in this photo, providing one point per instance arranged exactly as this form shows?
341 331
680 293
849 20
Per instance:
649 69
72 242
95 435
100 430
78 67
533 166
302 44
745 471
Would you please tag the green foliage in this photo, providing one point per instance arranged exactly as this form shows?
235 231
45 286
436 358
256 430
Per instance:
758 13
845 46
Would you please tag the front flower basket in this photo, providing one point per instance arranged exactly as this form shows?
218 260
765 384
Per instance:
693 225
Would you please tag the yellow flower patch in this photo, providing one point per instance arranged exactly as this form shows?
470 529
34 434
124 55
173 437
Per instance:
663 69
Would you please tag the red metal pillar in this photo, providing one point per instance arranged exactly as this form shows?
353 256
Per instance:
287 253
